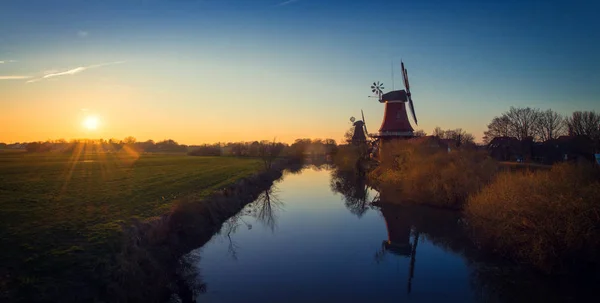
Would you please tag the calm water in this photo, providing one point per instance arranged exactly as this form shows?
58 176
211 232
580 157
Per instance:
314 237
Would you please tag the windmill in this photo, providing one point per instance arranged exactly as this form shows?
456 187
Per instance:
395 121
360 131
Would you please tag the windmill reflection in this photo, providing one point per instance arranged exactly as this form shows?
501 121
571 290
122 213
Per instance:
353 186
399 240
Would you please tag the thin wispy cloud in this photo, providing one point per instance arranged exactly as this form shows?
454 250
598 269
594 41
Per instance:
14 77
82 34
73 71
288 2
7 61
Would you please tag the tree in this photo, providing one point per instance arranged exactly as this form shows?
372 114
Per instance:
524 121
438 132
129 140
520 123
269 151
585 123
348 135
419 133
550 125
459 135
499 127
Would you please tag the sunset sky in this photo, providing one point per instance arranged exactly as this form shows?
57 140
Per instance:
238 70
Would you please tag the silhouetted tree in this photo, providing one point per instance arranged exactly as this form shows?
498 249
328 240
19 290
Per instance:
550 125
129 140
269 151
419 133
586 123
348 135
460 136
520 123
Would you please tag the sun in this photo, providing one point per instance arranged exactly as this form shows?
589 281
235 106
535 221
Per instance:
91 122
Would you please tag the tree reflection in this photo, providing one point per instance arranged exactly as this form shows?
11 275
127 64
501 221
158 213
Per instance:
189 284
353 186
266 208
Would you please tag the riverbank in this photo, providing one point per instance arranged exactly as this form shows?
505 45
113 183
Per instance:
147 263
545 217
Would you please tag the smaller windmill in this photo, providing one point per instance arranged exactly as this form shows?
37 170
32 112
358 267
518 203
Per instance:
360 130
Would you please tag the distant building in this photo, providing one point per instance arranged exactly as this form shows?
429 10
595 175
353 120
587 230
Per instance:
564 148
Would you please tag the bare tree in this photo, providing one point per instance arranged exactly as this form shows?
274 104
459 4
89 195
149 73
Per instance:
459 135
523 121
585 123
550 125
439 132
269 151
499 127
516 122
419 133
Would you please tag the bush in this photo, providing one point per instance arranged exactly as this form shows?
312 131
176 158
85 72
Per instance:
346 157
546 218
426 174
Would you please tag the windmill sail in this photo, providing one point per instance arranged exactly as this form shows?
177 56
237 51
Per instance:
412 110
407 86
365 122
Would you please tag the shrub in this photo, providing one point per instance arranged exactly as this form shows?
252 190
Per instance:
206 150
426 174
347 156
546 218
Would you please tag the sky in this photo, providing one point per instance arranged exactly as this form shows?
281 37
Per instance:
205 71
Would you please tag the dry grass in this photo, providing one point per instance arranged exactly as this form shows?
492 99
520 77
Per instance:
548 218
429 175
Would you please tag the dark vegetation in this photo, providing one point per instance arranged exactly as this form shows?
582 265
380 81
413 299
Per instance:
424 174
539 126
544 216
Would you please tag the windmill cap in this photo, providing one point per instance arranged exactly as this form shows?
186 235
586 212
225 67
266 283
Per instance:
396 95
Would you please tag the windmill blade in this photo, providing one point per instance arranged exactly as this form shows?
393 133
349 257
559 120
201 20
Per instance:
403 73
406 84
412 109
364 122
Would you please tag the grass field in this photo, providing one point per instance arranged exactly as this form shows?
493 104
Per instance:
61 215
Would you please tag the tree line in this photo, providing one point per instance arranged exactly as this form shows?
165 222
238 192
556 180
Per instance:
542 125
300 147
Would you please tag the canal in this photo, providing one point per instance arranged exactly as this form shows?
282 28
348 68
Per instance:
321 235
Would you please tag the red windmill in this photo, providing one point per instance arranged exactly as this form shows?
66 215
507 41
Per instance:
395 120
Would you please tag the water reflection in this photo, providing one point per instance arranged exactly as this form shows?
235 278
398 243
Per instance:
321 249
265 209
354 189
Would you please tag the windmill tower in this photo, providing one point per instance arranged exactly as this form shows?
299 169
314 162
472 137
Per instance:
395 124
360 130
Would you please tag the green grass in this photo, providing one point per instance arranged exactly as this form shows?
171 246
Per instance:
61 215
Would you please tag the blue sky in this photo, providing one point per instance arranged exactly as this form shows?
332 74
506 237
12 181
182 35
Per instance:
243 70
